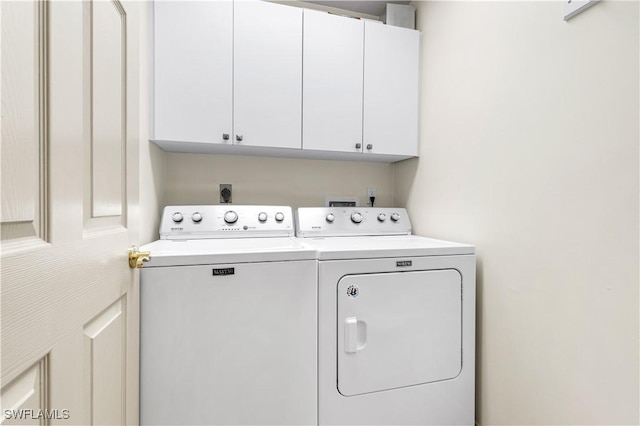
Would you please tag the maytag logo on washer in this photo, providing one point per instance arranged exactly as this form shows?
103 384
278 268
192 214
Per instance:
353 291
401 263
224 271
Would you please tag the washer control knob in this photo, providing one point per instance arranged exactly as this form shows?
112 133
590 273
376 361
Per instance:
331 217
382 217
177 217
231 217
395 217
196 217
356 218
262 217
279 217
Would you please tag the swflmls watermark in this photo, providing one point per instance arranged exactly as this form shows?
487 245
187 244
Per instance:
38 414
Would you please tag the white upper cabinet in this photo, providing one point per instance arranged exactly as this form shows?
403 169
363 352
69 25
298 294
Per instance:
193 71
267 75
391 64
261 78
332 92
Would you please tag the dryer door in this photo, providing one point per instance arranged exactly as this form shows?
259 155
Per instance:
398 329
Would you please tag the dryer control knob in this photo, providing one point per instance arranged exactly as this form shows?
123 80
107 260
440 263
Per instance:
279 217
262 217
231 217
196 217
177 217
330 217
395 217
382 217
356 218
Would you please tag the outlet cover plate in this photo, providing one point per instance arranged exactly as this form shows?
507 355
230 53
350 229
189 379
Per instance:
371 192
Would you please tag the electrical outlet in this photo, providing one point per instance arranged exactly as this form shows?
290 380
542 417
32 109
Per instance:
225 193
371 192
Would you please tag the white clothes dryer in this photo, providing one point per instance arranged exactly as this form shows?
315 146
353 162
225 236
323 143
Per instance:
228 319
396 320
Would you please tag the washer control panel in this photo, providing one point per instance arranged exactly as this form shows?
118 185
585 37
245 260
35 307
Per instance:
351 221
226 221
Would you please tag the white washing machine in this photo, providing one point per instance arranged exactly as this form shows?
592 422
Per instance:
228 319
396 320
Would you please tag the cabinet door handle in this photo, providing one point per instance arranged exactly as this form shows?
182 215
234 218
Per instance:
225 136
369 146
358 145
239 138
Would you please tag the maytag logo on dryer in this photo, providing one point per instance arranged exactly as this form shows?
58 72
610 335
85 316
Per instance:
224 271
403 263
177 229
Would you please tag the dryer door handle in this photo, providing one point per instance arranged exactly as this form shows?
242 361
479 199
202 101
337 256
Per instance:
355 335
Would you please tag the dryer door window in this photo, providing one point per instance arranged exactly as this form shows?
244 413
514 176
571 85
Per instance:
398 329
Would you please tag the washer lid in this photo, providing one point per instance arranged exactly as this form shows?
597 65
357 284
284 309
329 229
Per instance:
231 250
344 248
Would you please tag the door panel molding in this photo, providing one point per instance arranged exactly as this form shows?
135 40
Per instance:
28 391
104 365
25 147
105 115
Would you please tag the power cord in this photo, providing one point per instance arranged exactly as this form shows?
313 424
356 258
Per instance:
372 199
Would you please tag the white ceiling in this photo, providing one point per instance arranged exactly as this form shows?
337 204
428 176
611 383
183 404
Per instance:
370 7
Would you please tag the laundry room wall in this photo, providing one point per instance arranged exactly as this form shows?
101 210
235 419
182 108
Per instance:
195 179
152 188
529 149
152 159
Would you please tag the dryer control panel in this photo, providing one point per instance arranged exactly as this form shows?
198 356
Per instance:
351 221
226 221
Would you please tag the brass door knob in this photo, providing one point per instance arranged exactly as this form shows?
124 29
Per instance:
137 257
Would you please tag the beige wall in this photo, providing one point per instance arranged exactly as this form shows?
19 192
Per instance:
152 158
195 178
530 151
152 189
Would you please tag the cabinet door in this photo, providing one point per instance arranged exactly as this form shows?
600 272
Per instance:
267 74
332 92
391 63
193 70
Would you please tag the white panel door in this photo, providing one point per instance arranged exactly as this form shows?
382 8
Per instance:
70 129
332 92
267 85
398 329
193 71
391 64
